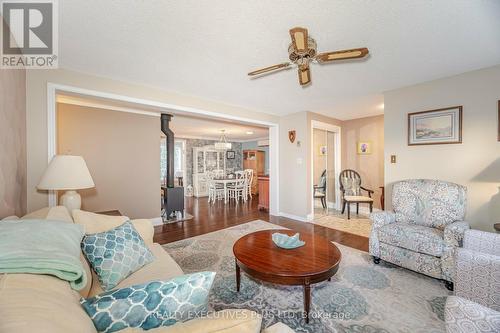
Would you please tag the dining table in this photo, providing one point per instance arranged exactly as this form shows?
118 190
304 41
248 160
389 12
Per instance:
225 181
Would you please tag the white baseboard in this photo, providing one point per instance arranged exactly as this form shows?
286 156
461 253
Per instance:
156 221
308 218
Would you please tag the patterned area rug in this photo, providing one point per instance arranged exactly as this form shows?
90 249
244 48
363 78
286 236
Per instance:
358 225
362 297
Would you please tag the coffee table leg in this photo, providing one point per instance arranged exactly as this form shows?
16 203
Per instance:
238 277
307 300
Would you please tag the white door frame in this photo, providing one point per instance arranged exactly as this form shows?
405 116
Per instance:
54 88
336 130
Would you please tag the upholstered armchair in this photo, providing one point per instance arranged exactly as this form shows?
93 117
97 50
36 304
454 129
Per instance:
424 230
476 304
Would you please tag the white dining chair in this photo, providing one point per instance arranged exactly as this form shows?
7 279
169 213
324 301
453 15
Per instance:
249 176
238 189
219 173
215 191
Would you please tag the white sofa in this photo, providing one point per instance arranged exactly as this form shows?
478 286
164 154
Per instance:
43 304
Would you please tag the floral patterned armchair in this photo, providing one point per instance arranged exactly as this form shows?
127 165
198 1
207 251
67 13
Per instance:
476 304
425 229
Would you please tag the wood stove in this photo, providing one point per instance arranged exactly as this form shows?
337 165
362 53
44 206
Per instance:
173 196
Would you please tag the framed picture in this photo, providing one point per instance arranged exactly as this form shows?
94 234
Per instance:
364 147
435 127
323 150
230 154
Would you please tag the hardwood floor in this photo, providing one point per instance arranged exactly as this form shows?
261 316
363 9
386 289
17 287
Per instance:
208 218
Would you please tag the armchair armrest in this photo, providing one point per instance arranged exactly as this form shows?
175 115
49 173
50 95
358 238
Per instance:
366 189
461 315
379 219
482 241
477 277
454 233
382 218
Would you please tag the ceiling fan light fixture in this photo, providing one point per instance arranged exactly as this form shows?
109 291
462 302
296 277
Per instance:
304 75
302 52
299 39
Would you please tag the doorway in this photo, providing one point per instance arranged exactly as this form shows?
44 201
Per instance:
145 107
325 168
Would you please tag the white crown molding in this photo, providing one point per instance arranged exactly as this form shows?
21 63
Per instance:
69 100
195 137
256 139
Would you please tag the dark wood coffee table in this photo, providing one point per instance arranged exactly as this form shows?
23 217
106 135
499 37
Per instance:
257 255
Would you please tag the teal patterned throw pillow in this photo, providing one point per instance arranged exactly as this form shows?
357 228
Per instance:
116 253
150 305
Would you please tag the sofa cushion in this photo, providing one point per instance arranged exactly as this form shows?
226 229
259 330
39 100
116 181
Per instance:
163 267
57 213
413 237
40 303
95 223
116 253
152 304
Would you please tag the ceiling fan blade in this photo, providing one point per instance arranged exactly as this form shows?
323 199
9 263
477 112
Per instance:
299 39
269 69
342 55
304 75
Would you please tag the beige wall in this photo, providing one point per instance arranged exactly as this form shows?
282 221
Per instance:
12 142
295 166
370 167
475 163
36 105
122 151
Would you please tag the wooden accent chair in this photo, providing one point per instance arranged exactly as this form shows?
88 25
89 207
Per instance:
350 188
320 189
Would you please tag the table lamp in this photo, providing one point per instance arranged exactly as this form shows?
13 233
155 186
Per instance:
70 173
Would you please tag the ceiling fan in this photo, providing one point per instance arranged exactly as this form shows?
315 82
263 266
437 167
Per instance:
302 52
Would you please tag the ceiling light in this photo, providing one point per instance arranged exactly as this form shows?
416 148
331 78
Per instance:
222 144
249 132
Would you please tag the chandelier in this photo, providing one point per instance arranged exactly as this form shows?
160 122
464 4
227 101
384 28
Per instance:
222 144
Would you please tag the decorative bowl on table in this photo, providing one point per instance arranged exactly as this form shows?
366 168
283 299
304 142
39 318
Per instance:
287 242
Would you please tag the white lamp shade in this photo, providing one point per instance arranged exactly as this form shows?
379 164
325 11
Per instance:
223 145
66 172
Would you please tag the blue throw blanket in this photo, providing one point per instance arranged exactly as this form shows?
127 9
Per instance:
43 247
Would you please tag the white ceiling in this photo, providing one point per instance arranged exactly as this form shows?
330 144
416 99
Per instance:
205 48
182 126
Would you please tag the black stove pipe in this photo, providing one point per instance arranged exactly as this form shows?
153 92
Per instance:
165 128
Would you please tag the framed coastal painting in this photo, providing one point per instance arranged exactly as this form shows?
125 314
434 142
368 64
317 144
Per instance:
434 127
364 147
